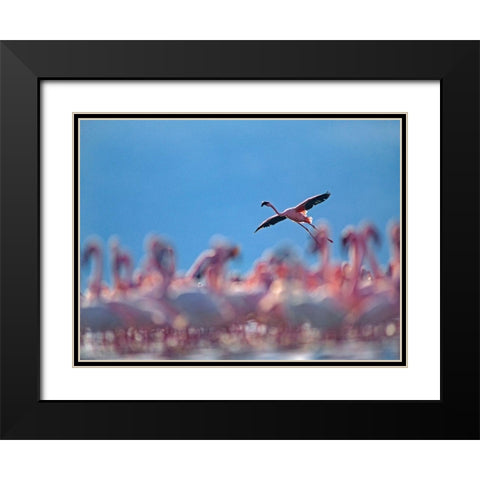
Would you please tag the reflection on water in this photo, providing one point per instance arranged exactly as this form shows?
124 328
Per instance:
249 342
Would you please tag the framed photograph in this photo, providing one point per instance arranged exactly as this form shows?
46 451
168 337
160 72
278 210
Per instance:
240 231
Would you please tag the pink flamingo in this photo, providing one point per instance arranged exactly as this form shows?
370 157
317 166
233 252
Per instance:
370 232
320 245
353 241
261 276
297 214
155 280
211 264
98 312
288 306
93 251
246 298
162 260
158 266
120 259
329 276
384 304
286 265
143 308
372 304
394 264
179 299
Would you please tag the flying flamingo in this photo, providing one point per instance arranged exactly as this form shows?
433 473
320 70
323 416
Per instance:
297 214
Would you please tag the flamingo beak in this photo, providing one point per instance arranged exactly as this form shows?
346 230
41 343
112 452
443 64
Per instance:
263 204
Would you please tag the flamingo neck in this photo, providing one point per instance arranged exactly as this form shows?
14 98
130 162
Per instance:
325 258
372 260
276 211
119 262
396 253
168 272
357 259
97 272
197 270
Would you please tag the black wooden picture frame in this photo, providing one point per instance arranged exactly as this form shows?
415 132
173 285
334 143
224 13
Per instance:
24 64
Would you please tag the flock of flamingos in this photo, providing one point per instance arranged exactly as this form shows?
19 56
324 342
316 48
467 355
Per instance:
281 309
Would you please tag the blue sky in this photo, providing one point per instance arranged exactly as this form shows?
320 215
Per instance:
191 179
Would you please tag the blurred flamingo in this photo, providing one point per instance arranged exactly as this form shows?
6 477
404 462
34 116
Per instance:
182 300
120 259
93 251
320 245
280 297
211 264
369 232
372 303
352 241
394 264
101 310
260 276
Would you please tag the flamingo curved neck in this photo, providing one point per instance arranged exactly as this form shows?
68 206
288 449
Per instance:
373 263
276 211
356 259
95 280
368 253
98 265
119 262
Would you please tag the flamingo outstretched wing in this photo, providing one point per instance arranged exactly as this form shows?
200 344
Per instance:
312 201
270 221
